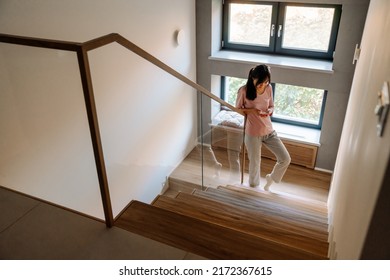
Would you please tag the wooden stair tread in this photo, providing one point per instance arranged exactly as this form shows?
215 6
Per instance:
182 186
309 229
267 202
200 237
243 220
246 200
300 219
317 207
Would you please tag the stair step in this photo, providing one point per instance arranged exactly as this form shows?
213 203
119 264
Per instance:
313 230
267 201
270 206
242 220
319 228
200 237
317 208
182 186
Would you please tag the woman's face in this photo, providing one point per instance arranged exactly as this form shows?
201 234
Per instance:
260 86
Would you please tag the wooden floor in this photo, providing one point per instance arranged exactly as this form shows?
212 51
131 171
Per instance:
227 220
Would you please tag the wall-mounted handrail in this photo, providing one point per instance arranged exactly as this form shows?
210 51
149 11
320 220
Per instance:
82 49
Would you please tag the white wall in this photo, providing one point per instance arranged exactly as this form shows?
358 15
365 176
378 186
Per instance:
147 118
363 156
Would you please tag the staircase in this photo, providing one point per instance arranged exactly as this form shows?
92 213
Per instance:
233 222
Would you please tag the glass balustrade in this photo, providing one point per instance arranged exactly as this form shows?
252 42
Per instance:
148 125
158 133
221 141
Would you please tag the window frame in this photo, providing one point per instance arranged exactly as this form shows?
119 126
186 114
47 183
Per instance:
245 47
283 120
275 40
298 123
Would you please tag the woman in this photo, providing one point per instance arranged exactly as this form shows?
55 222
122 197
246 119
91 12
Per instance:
256 102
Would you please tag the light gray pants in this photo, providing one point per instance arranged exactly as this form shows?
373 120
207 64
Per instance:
276 146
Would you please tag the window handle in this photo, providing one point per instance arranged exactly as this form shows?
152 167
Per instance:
272 30
280 30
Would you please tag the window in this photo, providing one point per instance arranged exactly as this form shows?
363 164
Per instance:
295 105
230 86
299 105
305 30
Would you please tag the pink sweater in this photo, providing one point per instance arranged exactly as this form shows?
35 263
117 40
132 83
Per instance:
255 124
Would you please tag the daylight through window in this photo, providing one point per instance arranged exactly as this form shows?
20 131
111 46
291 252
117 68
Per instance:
306 30
296 105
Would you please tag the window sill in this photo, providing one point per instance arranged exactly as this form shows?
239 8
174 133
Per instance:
275 60
303 135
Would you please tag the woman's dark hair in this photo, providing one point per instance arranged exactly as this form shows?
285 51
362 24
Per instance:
260 72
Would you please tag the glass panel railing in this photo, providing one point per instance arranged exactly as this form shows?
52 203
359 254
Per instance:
148 124
45 142
222 136
157 131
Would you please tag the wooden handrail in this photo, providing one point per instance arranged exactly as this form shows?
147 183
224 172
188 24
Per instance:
105 40
114 37
132 47
101 41
41 43
81 49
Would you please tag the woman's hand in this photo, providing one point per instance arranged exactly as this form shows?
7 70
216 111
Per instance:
263 114
245 111
256 112
267 113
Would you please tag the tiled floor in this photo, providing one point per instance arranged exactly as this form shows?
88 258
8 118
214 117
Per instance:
31 229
